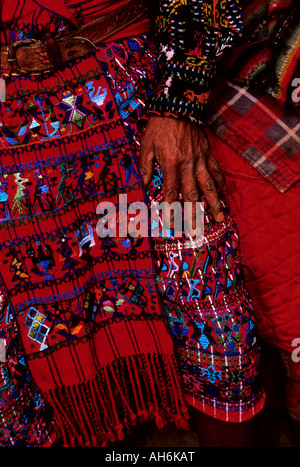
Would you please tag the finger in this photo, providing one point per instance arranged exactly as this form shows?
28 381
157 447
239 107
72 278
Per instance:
190 194
171 183
216 171
209 190
212 164
146 161
170 187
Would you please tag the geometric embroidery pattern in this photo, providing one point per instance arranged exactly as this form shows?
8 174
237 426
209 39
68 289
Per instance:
37 330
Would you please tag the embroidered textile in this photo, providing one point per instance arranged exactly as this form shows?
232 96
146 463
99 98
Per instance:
94 312
192 35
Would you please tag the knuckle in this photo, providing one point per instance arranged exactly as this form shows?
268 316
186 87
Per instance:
171 192
191 195
201 170
209 185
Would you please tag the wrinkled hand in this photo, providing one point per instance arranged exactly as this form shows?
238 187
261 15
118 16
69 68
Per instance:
182 151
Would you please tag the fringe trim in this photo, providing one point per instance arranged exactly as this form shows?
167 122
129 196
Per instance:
129 391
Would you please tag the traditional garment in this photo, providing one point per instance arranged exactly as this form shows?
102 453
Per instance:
192 37
94 312
255 137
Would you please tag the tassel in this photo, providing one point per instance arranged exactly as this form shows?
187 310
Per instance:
102 410
182 424
136 383
120 432
112 397
143 415
111 436
179 400
81 411
159 421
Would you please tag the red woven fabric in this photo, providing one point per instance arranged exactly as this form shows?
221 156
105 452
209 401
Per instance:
87 309
38 12
269 224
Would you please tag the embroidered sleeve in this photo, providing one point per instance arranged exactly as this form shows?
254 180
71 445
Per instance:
192 35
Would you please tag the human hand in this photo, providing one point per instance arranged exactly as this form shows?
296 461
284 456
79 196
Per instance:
188 166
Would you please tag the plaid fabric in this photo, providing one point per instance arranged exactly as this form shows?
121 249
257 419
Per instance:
260 130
